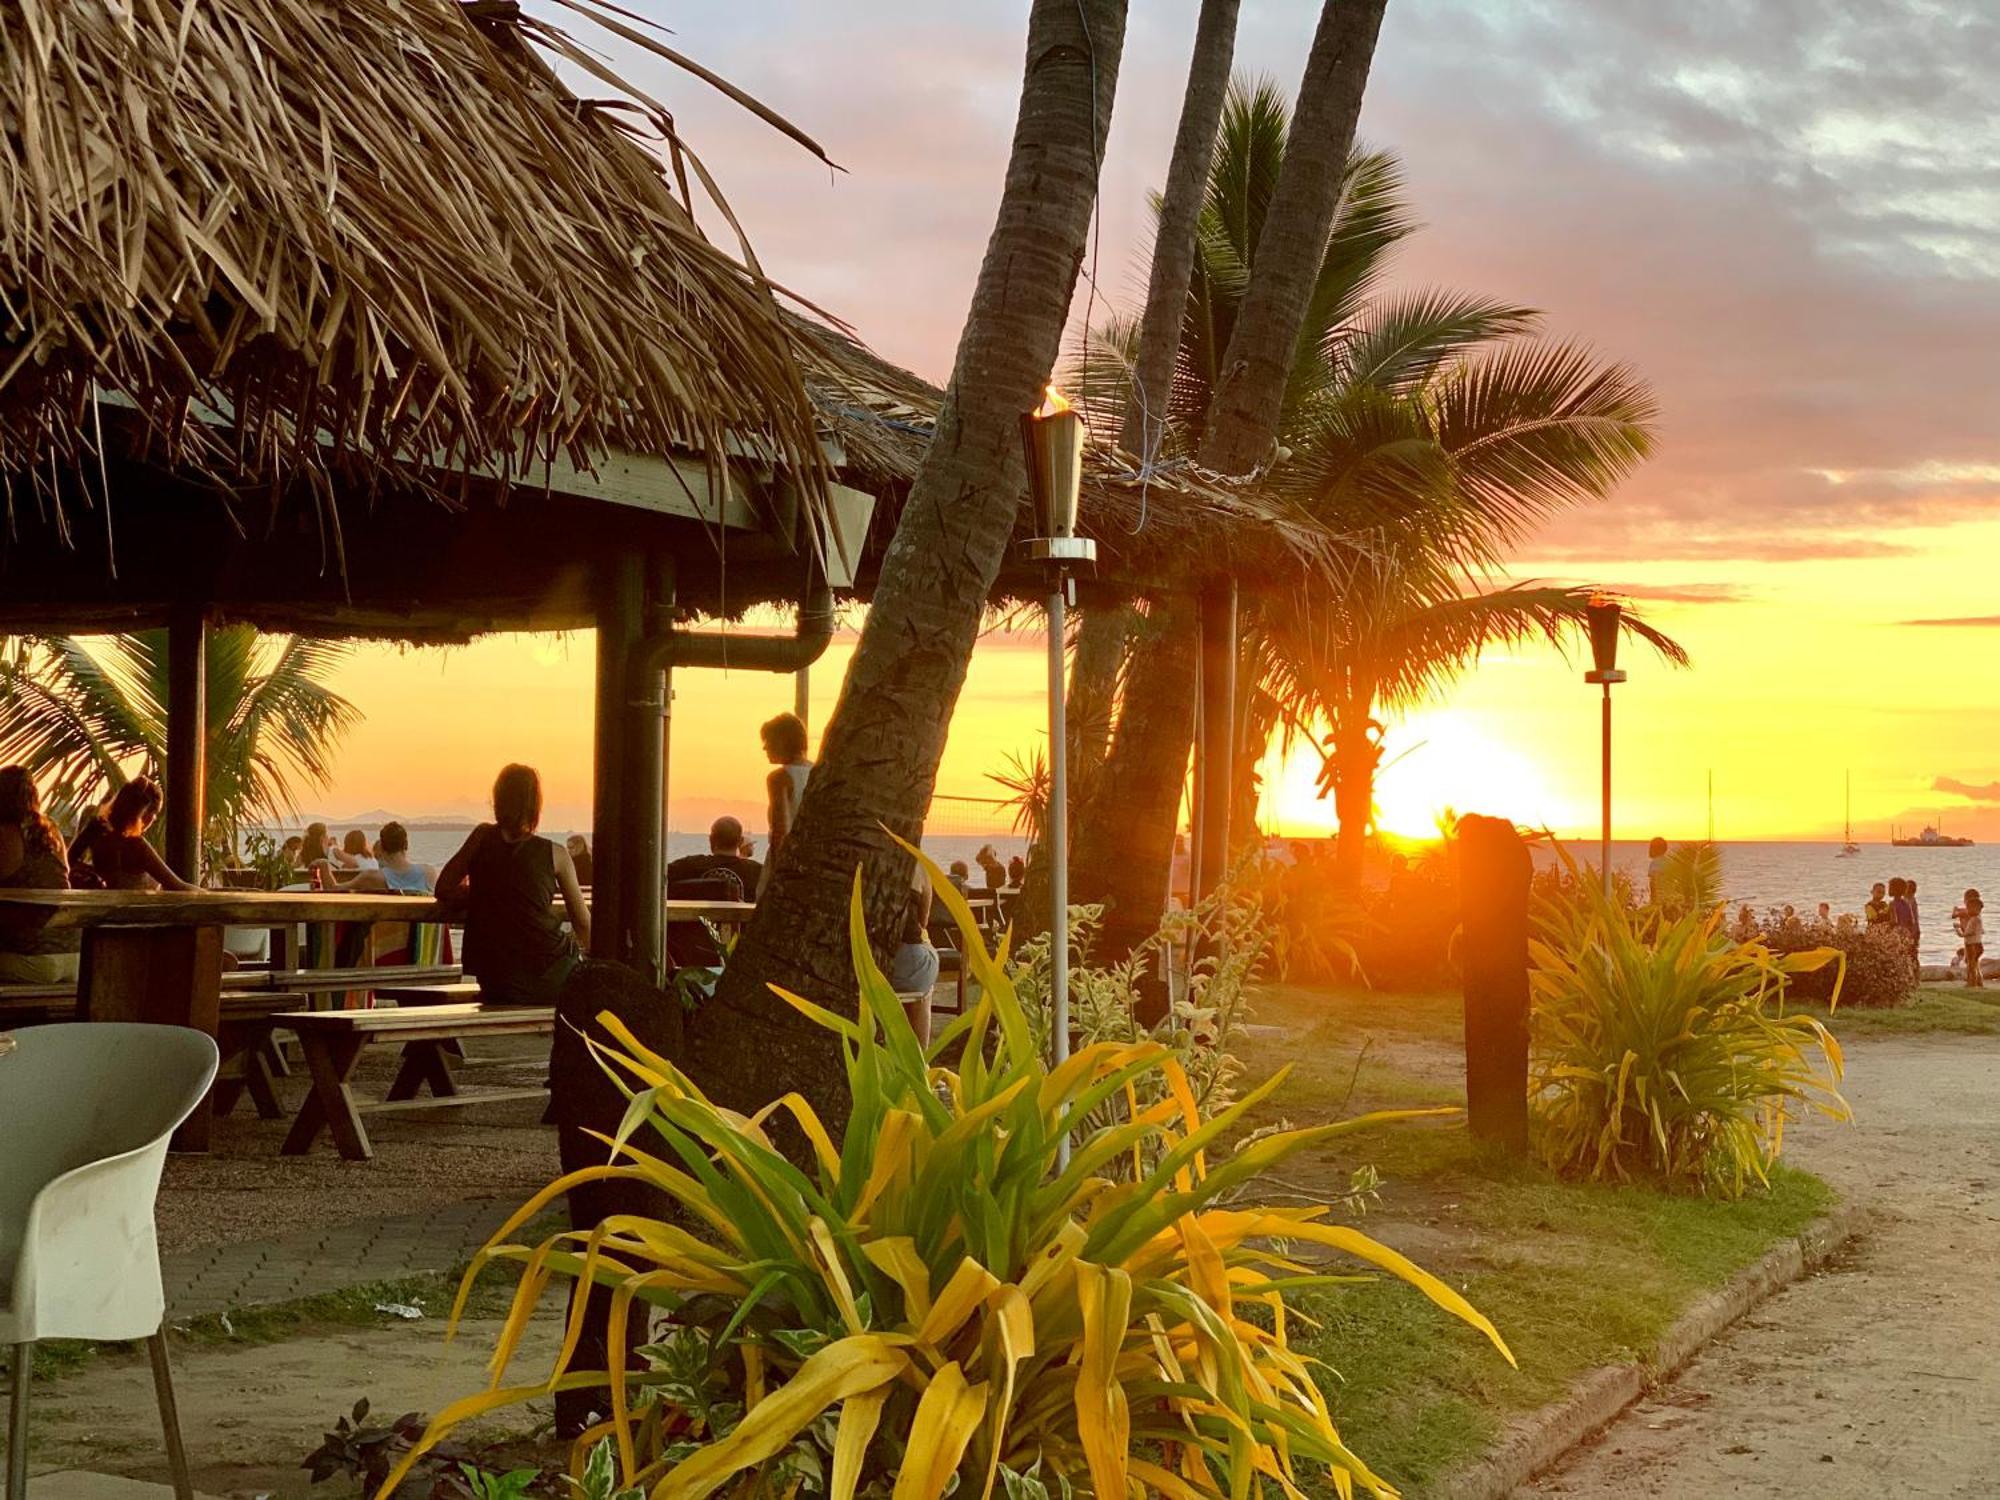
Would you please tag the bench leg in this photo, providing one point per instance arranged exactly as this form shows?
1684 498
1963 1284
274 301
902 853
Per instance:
258 1083
330 1105
425 1064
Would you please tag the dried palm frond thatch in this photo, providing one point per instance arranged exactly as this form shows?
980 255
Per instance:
1165 527
299 234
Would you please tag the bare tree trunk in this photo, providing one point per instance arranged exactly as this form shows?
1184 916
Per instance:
1250 393
1355 754
1104 825
1123 851
1101 640
1174 237
879 758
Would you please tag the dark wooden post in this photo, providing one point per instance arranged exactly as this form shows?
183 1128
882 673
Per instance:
1216 748
1494 871
187 739
620 620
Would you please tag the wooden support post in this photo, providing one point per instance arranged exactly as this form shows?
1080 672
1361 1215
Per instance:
187 739
620 620
1215 750
168 976
1494 872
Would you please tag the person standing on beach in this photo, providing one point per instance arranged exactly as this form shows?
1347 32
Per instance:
784 740
1875 911
1970 921
1656 866
1903 913
1916 917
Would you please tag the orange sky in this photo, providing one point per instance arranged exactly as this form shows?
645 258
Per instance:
1792 242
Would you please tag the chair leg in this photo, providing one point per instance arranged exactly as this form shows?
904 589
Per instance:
17 1423
170 1417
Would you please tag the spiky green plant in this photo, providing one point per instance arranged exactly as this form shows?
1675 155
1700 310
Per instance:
940 1301
1662 1049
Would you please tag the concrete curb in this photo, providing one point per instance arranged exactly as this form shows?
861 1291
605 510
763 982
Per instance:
1534 1442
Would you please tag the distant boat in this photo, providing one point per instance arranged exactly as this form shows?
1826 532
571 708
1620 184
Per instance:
1931 838
1848 848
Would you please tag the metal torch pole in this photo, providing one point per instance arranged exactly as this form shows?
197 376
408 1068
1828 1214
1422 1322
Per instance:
1604 846
1057 850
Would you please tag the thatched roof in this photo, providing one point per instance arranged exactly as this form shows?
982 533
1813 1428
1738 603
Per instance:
1170 526
370 234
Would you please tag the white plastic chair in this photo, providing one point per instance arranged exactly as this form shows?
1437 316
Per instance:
85 1112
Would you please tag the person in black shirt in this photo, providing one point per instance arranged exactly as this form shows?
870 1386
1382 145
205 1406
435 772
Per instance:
725 838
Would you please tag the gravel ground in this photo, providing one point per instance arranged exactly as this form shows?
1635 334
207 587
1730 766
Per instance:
244 1190
1878 1376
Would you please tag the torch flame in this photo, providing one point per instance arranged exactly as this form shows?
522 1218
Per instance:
1054 405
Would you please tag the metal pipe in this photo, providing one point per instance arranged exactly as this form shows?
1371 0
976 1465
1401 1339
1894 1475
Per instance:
653 658
1056 849
187 739
1604 845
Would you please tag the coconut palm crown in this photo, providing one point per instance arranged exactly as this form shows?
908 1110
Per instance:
86 715
1435 429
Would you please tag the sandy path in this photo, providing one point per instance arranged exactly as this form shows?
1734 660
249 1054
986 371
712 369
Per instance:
1879 1376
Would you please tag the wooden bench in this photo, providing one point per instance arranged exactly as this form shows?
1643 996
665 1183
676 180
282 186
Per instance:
333 1041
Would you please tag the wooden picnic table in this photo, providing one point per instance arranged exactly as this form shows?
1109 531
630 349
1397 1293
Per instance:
157 955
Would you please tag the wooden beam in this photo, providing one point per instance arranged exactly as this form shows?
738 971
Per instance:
187 739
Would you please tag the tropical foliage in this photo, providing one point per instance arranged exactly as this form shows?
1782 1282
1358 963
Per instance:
1223 944
1662 1049
1689 879
1876 968
85 716
941 1300
1432 427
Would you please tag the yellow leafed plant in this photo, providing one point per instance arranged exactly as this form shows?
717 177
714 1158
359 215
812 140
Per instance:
939 1301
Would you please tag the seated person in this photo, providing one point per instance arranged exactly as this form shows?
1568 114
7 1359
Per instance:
112 845
515 945
31 859
353 853
913 970
725 841
960 875
990 866
292 852
579 855
1017 871
394 870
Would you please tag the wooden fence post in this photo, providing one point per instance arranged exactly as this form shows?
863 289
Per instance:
1494 871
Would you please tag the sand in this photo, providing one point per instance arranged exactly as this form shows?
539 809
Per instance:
1878 1376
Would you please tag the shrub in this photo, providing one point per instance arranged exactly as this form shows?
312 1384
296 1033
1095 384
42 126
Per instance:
938 1299
1232 941
1877 967
1661 1049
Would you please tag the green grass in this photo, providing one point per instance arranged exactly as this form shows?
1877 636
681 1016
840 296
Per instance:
1935 1010
1575 1276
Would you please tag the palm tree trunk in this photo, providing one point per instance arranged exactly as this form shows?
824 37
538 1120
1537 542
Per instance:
879 758
1174 236
1249 397
1355 754
1123 851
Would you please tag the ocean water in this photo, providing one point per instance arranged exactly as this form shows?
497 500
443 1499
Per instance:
1804 874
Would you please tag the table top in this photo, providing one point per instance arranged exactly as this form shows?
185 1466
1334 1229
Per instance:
77 909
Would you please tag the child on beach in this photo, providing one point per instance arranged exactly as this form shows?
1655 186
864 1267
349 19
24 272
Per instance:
1971 927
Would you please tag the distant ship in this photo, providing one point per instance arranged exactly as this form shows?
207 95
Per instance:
1930 838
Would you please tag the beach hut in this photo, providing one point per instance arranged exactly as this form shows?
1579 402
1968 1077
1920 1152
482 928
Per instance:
355 320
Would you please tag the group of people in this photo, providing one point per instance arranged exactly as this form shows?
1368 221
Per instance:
1894 905
358 864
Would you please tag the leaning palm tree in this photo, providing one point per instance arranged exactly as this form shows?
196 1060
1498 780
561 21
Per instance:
85 716
1397 636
